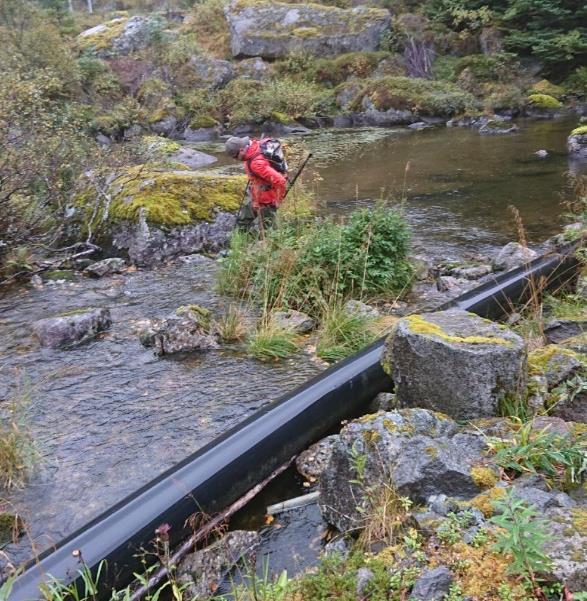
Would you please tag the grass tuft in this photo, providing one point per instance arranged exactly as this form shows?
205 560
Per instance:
271 343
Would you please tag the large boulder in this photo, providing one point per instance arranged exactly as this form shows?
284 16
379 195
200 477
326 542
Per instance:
71 328
577 142
454 362
157 215
276 29
119 36
418 452
188 329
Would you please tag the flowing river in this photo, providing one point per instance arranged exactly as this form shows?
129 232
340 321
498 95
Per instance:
108 416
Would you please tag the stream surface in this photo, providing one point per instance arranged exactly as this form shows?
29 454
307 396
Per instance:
108 416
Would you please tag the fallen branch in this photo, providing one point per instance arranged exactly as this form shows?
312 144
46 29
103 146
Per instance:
205 531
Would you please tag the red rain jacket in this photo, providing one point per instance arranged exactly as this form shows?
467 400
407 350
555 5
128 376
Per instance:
266 184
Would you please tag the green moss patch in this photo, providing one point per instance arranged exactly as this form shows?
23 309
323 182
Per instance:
579 131
419 325
545 87
544 101
104 36
540 359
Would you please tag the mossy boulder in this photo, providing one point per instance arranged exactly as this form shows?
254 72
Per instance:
119 36
417 96
577 142
455 362
418 452
276 29
546 87
544 101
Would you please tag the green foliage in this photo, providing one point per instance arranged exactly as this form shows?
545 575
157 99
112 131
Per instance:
262 588
569 306
523 536
336 70
451 529
562 459
420 95
576 83
303 265
499 67
269 342
244 100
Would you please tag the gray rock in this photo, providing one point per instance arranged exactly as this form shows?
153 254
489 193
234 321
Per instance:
148 245
541 153
105 267
419 126
513 255
567 546
384 401
577 145
313 461
472 273
69 329
293 321
339 546
188 329
418 452
534 492
432 584
195 260
166 127
454 362
571 409
552 425
203 570
193 159
559 330
212 73
560 366
442 505
364 577
37 281
496 127
200 134
448 283
355 307
275 30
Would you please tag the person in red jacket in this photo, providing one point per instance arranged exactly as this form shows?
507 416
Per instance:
266 187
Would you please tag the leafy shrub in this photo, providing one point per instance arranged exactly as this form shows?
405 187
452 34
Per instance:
502 96
353 64
304 265
423 96
545 87
576 83
544 101
244 100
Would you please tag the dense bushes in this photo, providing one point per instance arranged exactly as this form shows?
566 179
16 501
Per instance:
304 266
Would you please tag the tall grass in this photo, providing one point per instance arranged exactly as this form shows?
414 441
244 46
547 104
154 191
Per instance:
270 342
17 450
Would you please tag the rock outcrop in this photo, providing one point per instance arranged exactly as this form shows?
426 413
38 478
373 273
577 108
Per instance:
418 452
71 328
100 269
276 29
454 362
577 142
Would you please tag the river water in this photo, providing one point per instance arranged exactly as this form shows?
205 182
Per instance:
108 416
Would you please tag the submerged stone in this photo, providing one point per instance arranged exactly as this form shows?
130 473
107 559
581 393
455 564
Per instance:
68 329
455 362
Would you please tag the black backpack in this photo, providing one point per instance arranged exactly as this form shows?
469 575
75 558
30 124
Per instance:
272 150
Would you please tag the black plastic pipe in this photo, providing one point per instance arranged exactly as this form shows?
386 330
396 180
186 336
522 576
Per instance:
225 469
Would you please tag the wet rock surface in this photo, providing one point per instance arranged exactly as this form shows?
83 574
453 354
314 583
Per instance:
188 329
432 584
66 330
313 461
418 452
454 362
513 255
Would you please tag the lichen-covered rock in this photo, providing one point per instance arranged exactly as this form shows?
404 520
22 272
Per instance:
513 255
202 571
71 328
560 330
188 329
119 36
275 29
556 364
535 491
418 452
254 68
577 142
432 584
99 269
313 461
567 547
454 362
211 72
497 127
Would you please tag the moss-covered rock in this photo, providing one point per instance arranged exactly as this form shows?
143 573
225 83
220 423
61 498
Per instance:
119 36
577 142
275 29
544 101
170 198
545 87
